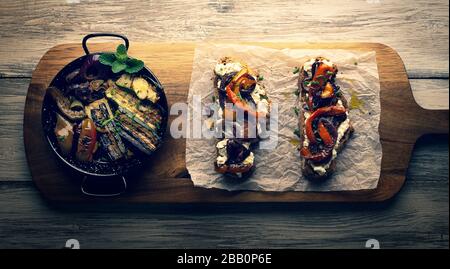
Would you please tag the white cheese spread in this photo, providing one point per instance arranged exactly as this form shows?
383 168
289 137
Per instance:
222 150
343 127
222 69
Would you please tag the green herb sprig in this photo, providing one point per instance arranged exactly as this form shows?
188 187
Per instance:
119 61
297 132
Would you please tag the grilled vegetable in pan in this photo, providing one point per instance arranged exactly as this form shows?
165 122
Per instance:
63 104
86 141
64 134
102 121
110 141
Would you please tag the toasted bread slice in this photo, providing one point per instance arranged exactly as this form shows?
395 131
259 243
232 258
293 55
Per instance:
321 170
225 70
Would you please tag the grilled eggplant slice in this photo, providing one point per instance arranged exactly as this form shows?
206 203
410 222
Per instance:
64 104
142 138
110 141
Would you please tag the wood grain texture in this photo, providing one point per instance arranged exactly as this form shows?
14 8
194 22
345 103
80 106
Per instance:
430 94
157 183
418 218
418 30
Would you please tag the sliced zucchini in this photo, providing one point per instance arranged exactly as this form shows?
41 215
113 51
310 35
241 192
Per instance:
141 87
152 95
125 81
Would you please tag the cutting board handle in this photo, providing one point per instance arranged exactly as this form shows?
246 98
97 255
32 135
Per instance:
433 121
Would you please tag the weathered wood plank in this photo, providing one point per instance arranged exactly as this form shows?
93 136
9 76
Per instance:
418 30
431 94
416 218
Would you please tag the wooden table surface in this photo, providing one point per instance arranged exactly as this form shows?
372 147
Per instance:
417 218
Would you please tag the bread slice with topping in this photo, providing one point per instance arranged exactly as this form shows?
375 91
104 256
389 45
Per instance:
323 122
238 85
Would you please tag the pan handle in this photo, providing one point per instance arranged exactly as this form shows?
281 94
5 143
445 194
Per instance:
85 39
85 188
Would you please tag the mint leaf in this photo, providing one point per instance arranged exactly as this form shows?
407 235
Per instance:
121 53
134 66
107 58
121 50
117 66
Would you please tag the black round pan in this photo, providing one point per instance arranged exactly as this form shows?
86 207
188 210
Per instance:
99 178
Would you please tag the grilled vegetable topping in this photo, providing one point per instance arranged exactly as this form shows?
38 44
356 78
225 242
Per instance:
86 141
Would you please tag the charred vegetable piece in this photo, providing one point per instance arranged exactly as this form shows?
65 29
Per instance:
240 104
140 86
317 157
323 111
142 138
112 145
76 105
233 157
96 85
327 132
139 122
325 135
124 81
236 151
327 91
144 114
92 68
323 71
86 141
100 112
64 134
245 85
63 104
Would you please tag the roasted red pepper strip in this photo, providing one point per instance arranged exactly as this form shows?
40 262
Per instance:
327 91
245 81
238 102
316 157
323 111
322 71
325 135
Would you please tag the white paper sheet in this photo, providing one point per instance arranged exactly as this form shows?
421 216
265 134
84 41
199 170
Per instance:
358 165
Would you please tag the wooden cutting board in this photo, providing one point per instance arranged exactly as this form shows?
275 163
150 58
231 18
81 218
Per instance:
165 178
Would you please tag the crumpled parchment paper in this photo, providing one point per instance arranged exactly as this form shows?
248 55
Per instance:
358 165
